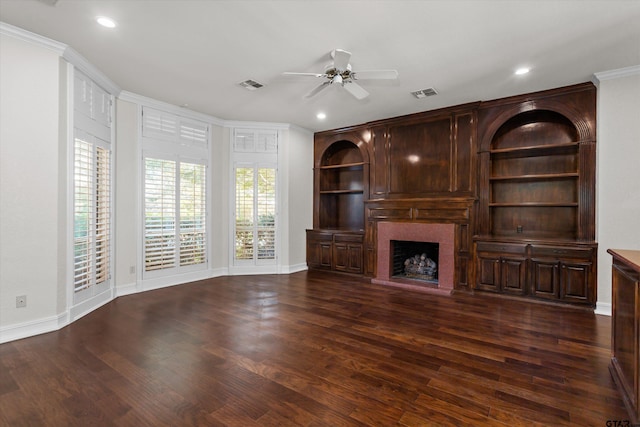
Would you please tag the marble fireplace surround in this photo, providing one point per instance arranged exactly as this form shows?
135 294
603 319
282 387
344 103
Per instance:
443 234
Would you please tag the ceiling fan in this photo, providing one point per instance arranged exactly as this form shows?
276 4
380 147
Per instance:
340 73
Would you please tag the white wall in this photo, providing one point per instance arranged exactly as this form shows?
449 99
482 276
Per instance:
300 164
127 197
30 166
618 171
220 190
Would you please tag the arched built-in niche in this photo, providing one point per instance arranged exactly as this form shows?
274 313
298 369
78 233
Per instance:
341 187
533 177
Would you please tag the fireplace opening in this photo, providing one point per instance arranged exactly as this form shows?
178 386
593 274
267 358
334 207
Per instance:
415 260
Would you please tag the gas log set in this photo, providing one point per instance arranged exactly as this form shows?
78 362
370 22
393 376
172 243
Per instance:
421 267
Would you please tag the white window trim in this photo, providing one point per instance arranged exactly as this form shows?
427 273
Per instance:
168 149
79 304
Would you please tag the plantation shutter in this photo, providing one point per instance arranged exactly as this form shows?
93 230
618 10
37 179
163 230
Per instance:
192 214
160 214
266 208
244 240
92 211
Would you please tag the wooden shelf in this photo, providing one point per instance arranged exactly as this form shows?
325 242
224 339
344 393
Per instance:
341 191
535 150
534 204
342 166
546 176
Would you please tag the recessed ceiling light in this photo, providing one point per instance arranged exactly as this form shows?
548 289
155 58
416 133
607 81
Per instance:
321 116
106 22
523 70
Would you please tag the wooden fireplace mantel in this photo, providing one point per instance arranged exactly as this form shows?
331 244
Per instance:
456 211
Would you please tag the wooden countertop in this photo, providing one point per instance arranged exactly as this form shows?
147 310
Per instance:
630 257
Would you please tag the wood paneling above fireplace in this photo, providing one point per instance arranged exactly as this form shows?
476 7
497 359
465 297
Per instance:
519 170
426 155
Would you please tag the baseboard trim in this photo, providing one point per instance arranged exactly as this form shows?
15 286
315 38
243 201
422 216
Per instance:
85 307
33 328
128 289
295 268
603 308
53 323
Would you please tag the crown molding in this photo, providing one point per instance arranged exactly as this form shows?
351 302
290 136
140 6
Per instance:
33 38
63 50
619 73
82 64
170 108
256 125
185 112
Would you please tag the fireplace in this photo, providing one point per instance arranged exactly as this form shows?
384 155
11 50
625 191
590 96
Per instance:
423 237
414 260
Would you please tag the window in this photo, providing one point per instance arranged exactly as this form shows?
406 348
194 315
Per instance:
175 214
92 207
175 194
255 227
91 194
255 201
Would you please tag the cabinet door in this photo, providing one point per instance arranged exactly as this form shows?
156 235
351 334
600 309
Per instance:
355 258
574 281
545 280
318 255
488 272
347 257
341 257
513 275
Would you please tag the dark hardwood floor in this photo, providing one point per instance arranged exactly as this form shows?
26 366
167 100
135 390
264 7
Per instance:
312 349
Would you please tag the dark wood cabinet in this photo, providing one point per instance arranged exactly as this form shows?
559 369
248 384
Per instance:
348 253
319 249
557 273
337 251
537 187
502 268
625 333
341 174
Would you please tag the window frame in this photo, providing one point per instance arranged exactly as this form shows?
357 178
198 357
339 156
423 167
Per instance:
181 139
259 149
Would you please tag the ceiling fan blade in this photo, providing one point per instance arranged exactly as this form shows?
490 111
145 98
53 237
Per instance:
303 74
341 59
356 90
318 89
375 75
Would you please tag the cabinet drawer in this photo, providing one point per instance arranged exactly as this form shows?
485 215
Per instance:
561 252
318 236
357 238
512 248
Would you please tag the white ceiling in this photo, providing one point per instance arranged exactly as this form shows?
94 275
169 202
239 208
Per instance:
196 52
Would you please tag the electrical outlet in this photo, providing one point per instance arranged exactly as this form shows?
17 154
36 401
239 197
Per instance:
21 301
132 269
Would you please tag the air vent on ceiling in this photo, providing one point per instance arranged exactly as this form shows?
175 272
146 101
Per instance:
250 84
424 93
